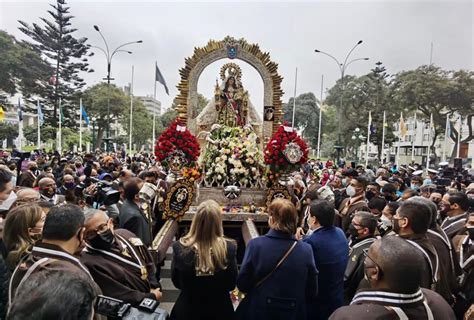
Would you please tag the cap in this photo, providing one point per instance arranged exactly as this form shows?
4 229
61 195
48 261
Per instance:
418 173
444 164
350 173
105 174
432 171
411 168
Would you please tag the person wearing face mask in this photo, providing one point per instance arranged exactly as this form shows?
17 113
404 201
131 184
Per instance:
464 245
454 205
62 238
28 177
355 202
411 222
118 261
131 216
415 183
68 184
362 229
389 192
331 253
394 270
7 195
372 191
23 227
47 190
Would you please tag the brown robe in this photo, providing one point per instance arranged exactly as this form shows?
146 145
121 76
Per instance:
347 209
57 260
118 279
373 304
454 226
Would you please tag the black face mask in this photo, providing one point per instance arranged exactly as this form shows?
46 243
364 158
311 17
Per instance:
102 241
353 231
388 198
369 195
470 230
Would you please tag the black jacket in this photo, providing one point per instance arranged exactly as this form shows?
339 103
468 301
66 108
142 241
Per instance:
202 297
133 219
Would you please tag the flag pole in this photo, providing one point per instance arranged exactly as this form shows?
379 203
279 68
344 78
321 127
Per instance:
429 143
131 116
60 126
294 100
413 141
459 137
445 137
20 126
382 154
39 123
320 118
368 140
154 112
80 124
399 139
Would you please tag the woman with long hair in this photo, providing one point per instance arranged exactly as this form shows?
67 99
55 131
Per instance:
278 273
23 227
204 268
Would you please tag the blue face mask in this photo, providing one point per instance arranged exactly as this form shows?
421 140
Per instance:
427 181
415 187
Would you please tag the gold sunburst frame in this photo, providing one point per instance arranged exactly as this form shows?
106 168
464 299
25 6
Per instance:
216 50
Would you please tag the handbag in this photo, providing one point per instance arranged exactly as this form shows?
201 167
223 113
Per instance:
244 304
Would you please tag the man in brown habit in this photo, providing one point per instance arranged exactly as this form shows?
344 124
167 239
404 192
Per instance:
118 261
394 270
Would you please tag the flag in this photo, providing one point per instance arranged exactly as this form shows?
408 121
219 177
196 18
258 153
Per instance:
2 113
84 115
403 128
160 79
40 114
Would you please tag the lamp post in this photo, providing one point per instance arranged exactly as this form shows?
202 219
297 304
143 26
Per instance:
94 119
357 137
109 55
342 68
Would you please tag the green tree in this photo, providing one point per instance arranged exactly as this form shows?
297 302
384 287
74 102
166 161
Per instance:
8 131
142 123
22 67
95 101
66 54
432 90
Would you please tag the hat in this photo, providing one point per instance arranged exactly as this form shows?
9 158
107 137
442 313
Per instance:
470 187
417 173
350 173
105 174
432 171
444 164
411 168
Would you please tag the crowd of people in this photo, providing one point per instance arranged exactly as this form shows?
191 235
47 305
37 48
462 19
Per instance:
351 243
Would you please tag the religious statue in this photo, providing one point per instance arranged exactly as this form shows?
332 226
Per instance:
231 100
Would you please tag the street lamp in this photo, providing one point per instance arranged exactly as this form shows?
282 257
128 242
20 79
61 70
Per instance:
357 137
342 68
109 57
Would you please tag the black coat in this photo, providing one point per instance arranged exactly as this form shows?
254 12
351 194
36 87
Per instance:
134 220
202 297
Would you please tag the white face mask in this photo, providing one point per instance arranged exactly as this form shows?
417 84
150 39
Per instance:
351 191
386 221
5 205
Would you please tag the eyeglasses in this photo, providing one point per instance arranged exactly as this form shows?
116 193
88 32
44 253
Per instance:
367 257
100 229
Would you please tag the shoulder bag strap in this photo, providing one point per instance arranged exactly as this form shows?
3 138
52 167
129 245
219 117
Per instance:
287 253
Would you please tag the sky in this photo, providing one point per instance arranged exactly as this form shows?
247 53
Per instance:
397 33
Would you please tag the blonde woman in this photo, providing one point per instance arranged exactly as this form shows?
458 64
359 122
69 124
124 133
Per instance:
23 227
204 268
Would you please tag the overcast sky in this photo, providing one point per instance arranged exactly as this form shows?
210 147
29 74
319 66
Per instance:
398 33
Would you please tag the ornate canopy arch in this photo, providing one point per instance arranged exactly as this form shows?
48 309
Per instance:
187 99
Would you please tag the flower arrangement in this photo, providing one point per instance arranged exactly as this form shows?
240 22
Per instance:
176 140
285 152
191 174
234 158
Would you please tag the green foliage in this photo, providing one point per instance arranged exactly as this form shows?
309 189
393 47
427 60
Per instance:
8 131
21 65
142 123
66 54
432 90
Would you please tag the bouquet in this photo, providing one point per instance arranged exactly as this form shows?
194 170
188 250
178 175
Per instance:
176 143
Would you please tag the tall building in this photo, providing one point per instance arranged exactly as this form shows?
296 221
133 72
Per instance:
152 105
